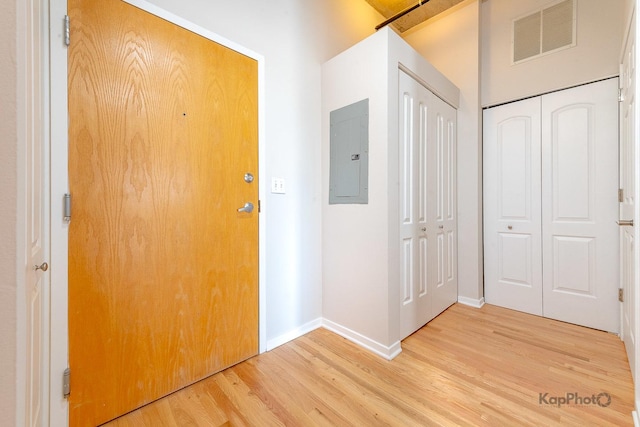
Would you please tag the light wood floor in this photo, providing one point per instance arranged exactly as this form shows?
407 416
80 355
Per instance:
468 366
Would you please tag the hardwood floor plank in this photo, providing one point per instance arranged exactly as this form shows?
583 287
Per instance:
468 367
322 402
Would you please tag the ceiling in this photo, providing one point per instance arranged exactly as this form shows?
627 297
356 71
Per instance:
389 8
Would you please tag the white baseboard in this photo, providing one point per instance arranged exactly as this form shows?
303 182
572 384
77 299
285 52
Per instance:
636 420
477 303
296 333
387 352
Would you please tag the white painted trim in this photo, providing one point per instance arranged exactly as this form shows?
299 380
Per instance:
293 334
636 419
262 149
381 350
471 302
388 352
188 25
58 134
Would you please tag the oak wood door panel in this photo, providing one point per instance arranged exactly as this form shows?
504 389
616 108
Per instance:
163 276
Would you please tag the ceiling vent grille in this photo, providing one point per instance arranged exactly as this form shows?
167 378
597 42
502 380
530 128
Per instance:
545 31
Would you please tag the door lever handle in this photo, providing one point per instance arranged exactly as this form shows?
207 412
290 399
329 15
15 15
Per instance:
44 267
248 208
625 222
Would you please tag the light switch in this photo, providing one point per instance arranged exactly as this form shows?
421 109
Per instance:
278 186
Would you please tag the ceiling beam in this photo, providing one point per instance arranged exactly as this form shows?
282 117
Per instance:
401 14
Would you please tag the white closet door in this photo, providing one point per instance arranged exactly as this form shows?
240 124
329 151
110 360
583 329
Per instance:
512 241
580 205
627 154
442 180
428 247
416 245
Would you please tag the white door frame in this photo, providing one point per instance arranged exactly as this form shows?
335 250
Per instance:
635 306
57 107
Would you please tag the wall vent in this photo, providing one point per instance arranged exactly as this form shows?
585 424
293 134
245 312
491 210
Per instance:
548 30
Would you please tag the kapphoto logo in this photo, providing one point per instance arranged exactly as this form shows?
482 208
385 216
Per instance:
602 400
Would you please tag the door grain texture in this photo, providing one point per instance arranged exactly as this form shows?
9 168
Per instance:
163 270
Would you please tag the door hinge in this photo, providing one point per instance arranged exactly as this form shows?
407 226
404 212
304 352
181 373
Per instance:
67 207
620 95
67 30
620 195
259 206
66 382
621 294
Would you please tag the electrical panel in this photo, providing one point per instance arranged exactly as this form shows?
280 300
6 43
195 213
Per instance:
349 156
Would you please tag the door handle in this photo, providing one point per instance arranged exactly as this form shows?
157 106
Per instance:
44 267
625 222
248 208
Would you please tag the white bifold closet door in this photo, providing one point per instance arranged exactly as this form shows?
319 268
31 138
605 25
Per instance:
428 240
550 205
512 213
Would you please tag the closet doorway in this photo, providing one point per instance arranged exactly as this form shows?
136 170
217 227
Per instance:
551 205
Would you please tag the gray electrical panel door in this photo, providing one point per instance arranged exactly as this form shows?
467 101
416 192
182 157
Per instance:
349 161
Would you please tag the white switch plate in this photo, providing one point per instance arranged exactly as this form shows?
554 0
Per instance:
278 186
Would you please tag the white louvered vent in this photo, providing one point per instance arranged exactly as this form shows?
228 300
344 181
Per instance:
547 30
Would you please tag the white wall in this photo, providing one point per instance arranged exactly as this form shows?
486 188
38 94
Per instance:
451 42
356 236
361 260
471 45
295 37
8 195
599 37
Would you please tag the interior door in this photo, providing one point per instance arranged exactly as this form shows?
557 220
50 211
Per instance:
580 205
36 278
428 247
417 234
512 240
443 128
36 238
627 201
163 280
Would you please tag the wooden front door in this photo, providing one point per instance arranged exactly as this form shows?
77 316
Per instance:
163 268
